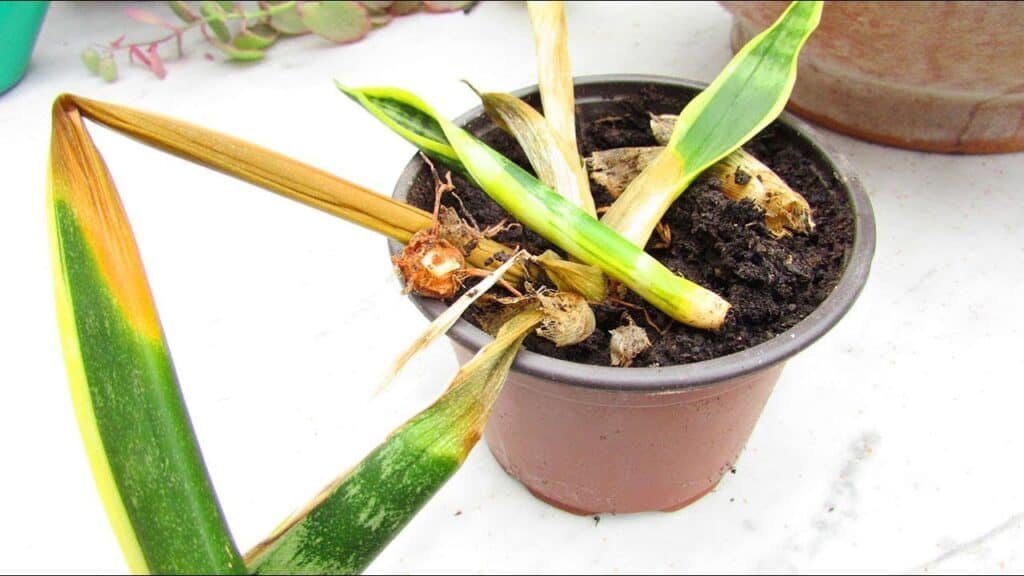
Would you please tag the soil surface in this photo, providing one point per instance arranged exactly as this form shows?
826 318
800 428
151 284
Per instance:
716 242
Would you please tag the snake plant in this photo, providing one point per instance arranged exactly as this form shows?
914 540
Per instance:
143 450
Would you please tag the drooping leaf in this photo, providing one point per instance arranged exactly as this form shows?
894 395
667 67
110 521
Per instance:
587 281
344 528
280 174
555 163
745 97
142 449
339 21
545 212
554 71
404 113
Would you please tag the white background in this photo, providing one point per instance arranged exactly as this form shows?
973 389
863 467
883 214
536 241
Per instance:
894 443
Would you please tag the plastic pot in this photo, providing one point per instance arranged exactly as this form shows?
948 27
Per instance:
592 439
934 76
19 27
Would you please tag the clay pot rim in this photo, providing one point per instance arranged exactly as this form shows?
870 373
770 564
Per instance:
685 376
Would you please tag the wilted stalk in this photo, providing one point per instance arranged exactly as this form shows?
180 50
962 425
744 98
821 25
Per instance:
554 72
277 173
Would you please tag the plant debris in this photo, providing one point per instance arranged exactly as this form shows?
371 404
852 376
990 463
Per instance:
627 342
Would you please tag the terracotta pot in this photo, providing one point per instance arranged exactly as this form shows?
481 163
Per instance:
935 76
592 439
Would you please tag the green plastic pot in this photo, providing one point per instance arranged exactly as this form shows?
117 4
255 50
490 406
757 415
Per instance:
19 27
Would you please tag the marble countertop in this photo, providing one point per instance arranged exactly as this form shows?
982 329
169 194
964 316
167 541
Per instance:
893 444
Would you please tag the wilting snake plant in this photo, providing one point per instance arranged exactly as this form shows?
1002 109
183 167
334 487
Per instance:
142 448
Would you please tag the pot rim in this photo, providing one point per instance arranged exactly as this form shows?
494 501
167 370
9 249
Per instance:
707 372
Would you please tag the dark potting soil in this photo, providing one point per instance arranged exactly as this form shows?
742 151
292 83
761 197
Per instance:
718 243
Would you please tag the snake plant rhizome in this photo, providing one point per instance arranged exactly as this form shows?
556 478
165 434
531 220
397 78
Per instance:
142 449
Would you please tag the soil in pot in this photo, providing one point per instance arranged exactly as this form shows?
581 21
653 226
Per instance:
719 243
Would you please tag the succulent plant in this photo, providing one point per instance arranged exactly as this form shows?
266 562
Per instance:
243 35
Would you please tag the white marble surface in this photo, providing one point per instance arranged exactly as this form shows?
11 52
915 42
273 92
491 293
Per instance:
893 444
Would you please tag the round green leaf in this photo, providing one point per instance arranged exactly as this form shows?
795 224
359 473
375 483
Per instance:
91 59
340 22
287 20
107 69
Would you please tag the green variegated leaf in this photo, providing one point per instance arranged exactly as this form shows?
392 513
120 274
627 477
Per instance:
137 432
746 96
344 528
545 212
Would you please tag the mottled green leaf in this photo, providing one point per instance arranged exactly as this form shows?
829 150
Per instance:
285 20
345 527
338 21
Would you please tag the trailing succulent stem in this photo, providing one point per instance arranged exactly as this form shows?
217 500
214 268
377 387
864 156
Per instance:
245 35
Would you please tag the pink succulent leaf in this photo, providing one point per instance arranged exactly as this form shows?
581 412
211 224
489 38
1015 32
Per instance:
140 15
155 63
134 53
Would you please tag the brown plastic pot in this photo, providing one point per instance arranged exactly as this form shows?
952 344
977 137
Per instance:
591 439
933 76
